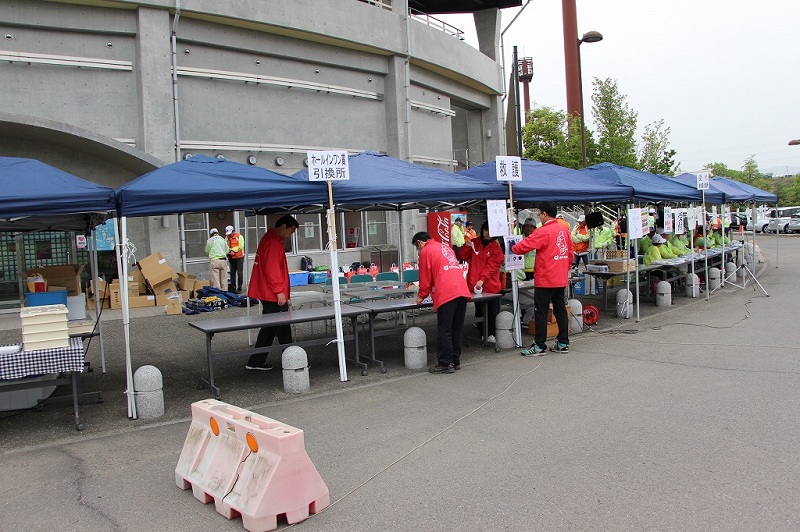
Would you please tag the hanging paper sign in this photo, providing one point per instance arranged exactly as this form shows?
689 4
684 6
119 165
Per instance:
635 221
328 166
104 234
497 215
668 219
680 221
691 218
703 180
80 241
508 168
513 261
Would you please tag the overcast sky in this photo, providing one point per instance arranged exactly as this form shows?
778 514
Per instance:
723 74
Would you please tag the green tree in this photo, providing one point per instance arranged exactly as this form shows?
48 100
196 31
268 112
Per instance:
551 136
655 154
616 124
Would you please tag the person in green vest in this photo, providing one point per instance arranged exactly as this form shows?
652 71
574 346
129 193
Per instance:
602 240
645 242
528 226
677 244
654 252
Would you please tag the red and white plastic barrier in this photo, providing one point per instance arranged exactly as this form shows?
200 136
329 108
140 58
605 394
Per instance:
249 465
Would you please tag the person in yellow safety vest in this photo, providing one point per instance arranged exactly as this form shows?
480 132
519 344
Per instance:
645 243
654 252
457 236
530 257
602 240
666 250
677 244
236 258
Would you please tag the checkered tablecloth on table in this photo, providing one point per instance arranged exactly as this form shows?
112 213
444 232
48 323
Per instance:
42 361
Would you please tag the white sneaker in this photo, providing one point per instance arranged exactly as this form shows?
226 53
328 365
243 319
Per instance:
490 339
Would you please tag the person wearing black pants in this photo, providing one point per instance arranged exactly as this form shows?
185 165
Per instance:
266 335
449 329
542 298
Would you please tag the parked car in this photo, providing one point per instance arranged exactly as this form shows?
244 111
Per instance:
792 225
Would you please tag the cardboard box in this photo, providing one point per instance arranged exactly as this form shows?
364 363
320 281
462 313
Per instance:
200 284
104 303
135 276
141 301
67 275
133 288
186 281
552 329
102 286
620 265
163 299
155 269
173 307
167 287
116 300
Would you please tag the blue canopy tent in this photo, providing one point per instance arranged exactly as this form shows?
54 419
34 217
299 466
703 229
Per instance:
381 182
37 196
759 195
650 187
731 193
549 182
40 197
201 183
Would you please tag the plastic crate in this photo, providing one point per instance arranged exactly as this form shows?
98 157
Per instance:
317 277
37 299
298 278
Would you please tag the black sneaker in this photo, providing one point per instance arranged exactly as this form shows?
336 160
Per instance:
441 369
558 347
456 365
260 367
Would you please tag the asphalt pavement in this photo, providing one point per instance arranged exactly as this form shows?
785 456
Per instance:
684 420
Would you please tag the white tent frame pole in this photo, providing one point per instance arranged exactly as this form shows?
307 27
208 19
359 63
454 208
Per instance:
337 303
121 234
705 244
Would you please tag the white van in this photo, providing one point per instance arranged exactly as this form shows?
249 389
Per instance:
778 219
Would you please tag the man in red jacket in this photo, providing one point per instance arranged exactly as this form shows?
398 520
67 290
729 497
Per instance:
554 254
441 277
269 283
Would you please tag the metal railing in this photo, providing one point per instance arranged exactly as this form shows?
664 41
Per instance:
434 22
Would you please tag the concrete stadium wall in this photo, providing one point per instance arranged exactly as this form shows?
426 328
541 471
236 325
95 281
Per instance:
104 68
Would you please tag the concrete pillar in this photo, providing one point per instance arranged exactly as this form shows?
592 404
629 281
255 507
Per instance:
714 276
294 362
415 348
148 392
504 335
624 304
663 294
575 316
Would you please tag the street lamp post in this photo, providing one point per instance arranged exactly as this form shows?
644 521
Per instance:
590 37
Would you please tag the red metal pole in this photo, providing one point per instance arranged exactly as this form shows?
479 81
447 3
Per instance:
571 61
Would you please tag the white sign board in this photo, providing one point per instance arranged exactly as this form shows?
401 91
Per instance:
691 218
635 221
703 180
508 168
80 241
497 214
513 261
328 166
668 219
680 221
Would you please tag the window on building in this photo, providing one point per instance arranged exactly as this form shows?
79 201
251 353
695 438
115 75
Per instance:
377 233
309 234
196 234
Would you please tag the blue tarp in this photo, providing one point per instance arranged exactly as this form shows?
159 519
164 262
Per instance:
650 187
384 182
759 195
731 194
549 182
201 183
39 196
